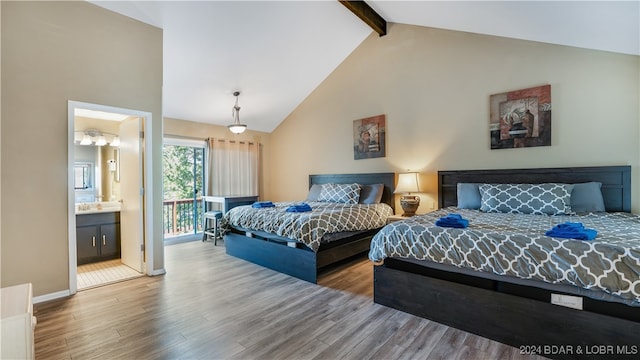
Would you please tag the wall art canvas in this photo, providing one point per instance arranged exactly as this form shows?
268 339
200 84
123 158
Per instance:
369 137
521 118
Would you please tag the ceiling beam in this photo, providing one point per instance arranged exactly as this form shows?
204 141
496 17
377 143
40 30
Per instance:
368 15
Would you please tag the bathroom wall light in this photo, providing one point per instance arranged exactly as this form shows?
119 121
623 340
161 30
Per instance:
236 127
102 141
96 137
86 140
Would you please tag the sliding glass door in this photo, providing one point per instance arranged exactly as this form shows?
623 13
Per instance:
183 182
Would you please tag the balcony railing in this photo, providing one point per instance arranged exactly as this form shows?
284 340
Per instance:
178 217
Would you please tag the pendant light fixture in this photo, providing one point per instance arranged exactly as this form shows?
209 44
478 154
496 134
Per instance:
236 127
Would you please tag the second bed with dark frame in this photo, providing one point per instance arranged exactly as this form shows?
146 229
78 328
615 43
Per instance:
300 261
521 316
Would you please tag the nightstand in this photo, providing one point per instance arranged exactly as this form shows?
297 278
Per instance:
393 218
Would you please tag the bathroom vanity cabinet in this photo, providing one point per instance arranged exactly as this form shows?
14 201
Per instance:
97 236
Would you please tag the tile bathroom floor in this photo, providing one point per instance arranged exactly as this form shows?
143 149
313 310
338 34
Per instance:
103 273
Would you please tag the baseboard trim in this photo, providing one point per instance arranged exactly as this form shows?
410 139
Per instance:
157 272
67 293
51 296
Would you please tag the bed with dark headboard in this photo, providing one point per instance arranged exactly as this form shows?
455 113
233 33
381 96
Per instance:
297 260
616 181
513 313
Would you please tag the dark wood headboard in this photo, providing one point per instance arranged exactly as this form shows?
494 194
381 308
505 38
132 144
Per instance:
616 181
388 179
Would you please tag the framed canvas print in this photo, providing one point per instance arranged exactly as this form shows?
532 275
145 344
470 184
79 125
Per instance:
369 137
521 118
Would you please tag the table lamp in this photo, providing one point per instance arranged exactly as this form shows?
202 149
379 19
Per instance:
407 184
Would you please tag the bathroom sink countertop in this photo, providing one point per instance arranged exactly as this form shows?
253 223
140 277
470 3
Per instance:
97 208
96 211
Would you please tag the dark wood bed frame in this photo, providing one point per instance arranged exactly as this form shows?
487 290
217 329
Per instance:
521 316
300 261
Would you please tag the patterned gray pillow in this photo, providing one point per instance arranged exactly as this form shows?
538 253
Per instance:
340 193
549 198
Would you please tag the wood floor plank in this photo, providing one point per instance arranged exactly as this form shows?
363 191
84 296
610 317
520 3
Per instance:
450 345
213 306
425 341
377 337
398 341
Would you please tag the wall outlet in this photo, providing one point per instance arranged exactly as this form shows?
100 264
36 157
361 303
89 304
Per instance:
574 302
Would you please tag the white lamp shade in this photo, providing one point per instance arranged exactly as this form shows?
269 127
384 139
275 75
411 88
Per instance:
101 141
407 183
115 141
86 140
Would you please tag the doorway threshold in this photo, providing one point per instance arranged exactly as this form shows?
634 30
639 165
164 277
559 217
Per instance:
104 273
182 239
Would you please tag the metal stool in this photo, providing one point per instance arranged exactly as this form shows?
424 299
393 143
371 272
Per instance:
214 231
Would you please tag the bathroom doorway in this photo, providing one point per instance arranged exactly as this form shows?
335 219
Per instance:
107 220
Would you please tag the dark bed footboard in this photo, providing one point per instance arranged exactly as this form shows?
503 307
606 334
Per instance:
532 326
300 263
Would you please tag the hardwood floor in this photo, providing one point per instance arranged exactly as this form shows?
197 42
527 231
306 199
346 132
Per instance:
213 306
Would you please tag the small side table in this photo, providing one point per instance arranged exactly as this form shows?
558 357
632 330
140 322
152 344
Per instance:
229 201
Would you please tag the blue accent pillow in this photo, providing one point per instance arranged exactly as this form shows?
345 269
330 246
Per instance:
469 196
371 194
587 197
314 192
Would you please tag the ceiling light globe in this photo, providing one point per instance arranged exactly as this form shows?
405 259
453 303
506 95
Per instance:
237 128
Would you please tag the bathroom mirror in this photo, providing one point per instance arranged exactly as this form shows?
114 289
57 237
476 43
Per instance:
83 176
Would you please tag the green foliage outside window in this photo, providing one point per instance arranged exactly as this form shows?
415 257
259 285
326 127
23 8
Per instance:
178 167
182 183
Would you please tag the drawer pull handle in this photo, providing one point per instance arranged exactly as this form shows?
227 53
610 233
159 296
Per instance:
104 240
93 241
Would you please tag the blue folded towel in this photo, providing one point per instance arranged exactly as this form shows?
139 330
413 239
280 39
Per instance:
453 220
303 207
570 226
571 230
262 204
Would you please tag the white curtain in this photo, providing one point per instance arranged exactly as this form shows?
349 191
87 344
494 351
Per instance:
233 167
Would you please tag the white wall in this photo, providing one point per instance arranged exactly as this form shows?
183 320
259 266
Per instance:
53 52
434 87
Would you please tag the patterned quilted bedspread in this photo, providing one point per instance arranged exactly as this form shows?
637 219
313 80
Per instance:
515 245
309 227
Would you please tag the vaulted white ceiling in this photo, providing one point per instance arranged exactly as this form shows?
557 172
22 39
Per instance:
276 52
